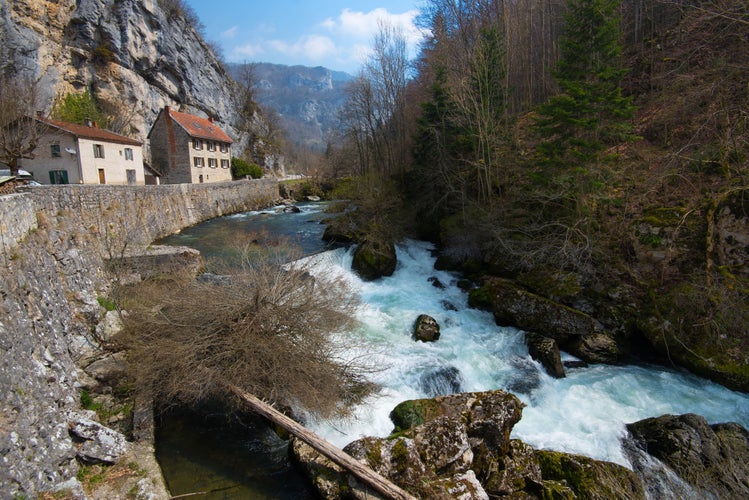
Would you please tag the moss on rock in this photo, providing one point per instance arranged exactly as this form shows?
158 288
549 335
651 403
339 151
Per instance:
590 478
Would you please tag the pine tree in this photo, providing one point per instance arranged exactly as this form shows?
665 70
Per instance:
591 112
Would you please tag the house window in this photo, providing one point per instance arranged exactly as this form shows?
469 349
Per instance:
198 162
224 147
224 163
58 176
98 151
129 154
130 173
212 162
197 144
54 150
211 146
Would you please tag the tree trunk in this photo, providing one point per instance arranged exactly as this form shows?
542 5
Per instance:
361 471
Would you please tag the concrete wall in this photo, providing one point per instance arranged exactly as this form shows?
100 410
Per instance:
207 172
173 153
44 162
114 162
55 241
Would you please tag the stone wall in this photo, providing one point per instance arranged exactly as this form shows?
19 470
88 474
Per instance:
56 240
18 218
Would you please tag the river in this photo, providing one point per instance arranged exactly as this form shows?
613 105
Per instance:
583 413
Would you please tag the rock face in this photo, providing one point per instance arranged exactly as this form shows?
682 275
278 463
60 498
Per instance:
713 459
308 99
459 446
573 330
426 329
134 56
374 259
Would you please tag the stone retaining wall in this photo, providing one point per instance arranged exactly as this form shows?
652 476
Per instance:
55 242
18 218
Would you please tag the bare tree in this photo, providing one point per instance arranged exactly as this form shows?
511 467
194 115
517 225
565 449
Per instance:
266 328
19 130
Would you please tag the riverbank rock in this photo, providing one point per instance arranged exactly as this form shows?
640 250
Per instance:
713 459
586 477
97 444
426 329
459 446
546 351
374 259
573 330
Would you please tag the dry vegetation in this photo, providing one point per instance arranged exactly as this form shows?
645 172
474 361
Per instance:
265 328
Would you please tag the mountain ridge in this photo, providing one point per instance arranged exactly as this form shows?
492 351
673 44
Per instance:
308 99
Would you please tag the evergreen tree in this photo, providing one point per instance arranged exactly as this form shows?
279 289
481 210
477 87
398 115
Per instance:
441 147
78 108
591 112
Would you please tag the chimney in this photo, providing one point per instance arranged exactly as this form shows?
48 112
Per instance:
210 119
166 109
88 122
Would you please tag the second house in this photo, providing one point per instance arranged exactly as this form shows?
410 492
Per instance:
189 149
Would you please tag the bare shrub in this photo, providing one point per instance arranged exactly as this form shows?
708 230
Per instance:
265 328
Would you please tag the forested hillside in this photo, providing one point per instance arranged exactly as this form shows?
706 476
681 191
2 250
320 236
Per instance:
594 152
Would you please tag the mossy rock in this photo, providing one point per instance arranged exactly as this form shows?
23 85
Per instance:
479 298
552 283
513 305
412 413
590 478
374 259
702 330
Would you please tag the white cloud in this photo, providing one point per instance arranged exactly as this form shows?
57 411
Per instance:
341 42
314 47
364 25
248 50
230 33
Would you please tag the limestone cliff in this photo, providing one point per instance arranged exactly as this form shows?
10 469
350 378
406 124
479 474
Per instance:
134 55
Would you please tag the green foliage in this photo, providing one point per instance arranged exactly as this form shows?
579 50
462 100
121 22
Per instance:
79 107
87 402
103 55
241 169
591 112
106 303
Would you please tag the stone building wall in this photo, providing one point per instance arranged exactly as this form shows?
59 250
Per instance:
55 241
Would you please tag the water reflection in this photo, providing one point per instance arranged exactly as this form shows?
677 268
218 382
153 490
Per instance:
217 455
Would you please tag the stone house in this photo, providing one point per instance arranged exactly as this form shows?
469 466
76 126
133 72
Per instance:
189 149
70 153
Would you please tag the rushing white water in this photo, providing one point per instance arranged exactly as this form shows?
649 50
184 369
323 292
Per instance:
582 413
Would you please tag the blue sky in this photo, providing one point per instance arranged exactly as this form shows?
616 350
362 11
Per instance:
334 34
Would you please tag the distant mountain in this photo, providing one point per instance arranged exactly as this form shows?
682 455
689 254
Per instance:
307 99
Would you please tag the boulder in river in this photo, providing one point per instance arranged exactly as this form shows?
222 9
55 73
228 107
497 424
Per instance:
426 329
546 351
573 330
713 459
374 259
441 381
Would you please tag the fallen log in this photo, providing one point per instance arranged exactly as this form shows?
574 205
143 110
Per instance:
338 456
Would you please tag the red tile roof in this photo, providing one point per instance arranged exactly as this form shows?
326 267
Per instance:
199 127
86 132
